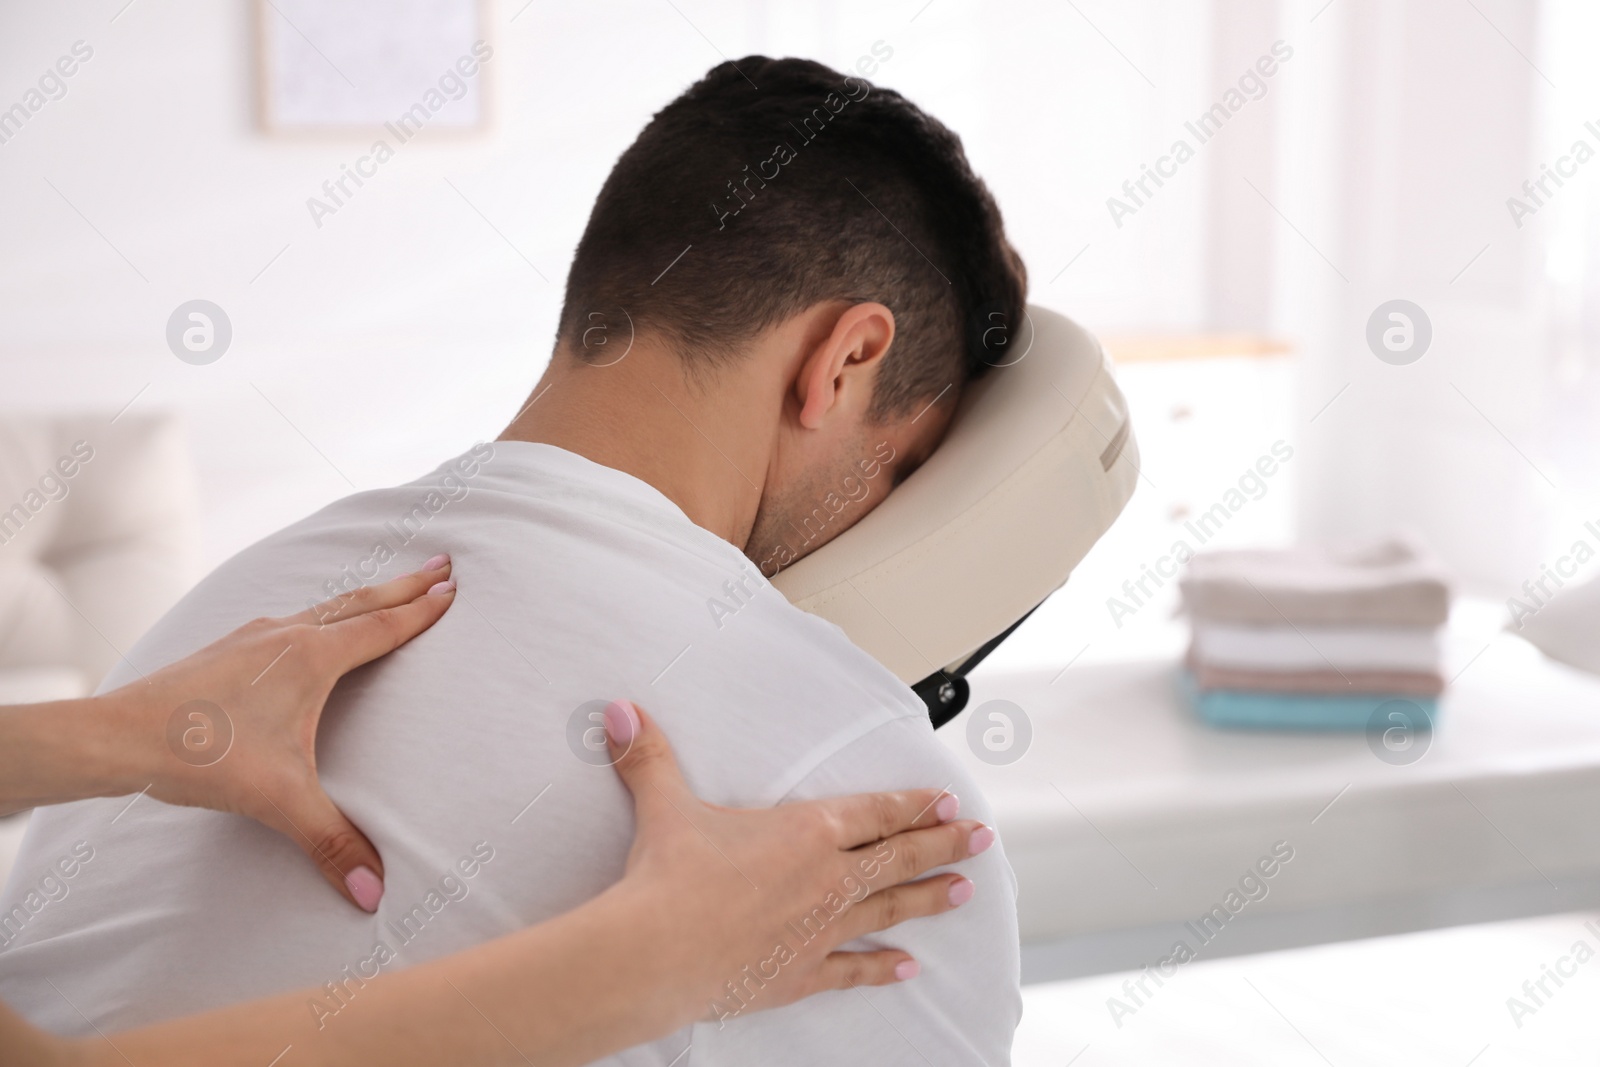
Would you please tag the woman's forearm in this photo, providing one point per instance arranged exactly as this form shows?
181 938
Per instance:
640 961
643 959
68 750
565 992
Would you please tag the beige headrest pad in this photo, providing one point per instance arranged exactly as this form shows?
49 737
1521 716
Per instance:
1038 462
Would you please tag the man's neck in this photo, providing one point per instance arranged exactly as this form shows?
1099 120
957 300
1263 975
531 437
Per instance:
643 417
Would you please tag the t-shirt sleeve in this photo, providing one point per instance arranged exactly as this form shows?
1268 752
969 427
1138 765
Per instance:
963 1007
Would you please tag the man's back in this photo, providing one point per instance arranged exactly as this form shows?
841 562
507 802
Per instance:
470 759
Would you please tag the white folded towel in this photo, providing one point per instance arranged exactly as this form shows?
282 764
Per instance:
1284 648
1391 583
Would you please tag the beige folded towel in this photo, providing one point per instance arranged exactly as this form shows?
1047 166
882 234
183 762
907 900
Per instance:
1327 682
1391 583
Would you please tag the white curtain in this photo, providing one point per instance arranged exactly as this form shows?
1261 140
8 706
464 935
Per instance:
1567 229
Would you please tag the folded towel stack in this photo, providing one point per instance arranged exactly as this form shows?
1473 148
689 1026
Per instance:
1311 639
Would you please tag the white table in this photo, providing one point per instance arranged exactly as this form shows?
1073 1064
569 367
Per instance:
1431 999
1126 816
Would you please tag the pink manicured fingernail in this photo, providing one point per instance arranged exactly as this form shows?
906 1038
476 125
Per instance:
947 807
441 588
622 722
366 887
961 891
436 562
906 970
981 839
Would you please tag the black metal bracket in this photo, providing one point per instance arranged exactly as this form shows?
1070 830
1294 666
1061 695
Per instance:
946 691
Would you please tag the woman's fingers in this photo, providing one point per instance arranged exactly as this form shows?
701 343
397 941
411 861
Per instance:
798 854
644 759
906 856
309 817
345 633
393 593
868 817
848 970
377 632
915 900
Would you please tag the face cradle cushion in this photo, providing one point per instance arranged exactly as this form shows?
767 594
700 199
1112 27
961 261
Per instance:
1038 463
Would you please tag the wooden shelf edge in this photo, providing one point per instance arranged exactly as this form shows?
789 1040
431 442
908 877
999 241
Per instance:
1154 348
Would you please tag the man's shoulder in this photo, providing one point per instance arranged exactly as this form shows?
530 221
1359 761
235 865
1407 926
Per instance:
499 512
785 685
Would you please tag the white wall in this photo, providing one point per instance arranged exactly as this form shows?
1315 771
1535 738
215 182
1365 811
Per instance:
1376 166
406 327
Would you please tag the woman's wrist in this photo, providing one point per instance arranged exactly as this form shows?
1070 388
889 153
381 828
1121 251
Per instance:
23 1043
73 749
133 754
640 956
586 984
670 948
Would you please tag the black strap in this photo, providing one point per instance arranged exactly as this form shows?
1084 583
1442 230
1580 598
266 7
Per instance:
946 691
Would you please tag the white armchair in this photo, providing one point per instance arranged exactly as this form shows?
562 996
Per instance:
99 525
98 537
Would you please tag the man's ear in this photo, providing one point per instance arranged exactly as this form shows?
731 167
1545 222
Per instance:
845 357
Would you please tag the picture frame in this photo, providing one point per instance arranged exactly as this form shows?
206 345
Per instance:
363 68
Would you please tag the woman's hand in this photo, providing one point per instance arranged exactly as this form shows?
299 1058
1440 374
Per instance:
782 887
692 931
234 726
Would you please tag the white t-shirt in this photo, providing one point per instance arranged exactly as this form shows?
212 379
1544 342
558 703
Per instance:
459 755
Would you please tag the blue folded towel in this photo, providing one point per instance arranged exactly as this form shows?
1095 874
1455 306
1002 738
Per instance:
1299 711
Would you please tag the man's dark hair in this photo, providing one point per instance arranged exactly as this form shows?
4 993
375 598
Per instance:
774 184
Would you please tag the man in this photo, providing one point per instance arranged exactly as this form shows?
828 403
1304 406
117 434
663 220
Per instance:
782 290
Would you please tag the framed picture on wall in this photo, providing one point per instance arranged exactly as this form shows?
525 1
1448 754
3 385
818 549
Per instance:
409 67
